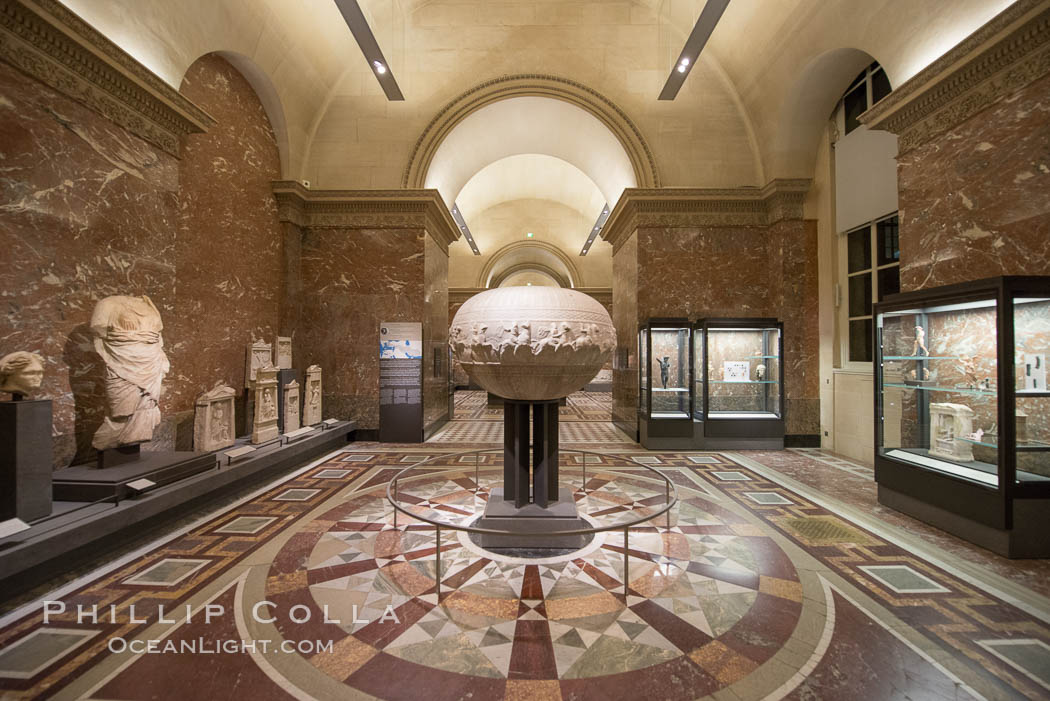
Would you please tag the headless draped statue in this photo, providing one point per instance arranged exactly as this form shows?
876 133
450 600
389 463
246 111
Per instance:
127 333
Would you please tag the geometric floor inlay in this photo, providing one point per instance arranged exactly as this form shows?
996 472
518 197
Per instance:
1030 657
767 498
903 579
247 525
167 573
36 651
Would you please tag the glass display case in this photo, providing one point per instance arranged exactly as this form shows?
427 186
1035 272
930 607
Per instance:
665 383
962 411
741 389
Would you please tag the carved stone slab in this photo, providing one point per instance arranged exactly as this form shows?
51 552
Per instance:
312 398
265 425
213 423
948 424
259 355
291 406
283 352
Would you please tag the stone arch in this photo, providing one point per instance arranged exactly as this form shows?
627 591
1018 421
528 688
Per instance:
524 254
808 107
506 87
503 275
265 90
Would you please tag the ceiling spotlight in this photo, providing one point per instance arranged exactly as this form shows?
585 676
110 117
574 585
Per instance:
682 67
528 235
380 68
684 61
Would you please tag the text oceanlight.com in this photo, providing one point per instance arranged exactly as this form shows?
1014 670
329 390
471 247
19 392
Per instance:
203 646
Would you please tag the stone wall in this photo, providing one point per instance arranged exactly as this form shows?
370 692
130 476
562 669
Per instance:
228 251
92 210
89 211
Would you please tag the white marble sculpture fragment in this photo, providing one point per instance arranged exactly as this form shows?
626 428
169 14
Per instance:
312 398
949 425
265 424
127 333
283 352
291 406
21 373
259 355
214 422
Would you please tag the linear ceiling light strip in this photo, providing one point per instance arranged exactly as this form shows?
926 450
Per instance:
705 24
462 224
355 19
596 229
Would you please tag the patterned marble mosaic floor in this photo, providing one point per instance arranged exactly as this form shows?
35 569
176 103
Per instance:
754 591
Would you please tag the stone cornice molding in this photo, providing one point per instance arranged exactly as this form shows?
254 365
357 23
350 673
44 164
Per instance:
743 206
373 209
1006 54
52 44
504 87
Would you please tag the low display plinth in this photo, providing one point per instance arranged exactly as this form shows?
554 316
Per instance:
88 483
25 459
531 522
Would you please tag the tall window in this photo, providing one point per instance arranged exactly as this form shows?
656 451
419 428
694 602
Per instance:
870 86
872 272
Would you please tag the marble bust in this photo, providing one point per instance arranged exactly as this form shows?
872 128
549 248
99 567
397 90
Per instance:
127 333
21 372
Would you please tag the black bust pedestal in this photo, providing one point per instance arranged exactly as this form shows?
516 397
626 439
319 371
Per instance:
26 448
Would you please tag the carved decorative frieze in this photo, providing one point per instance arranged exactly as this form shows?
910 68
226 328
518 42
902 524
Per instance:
372 209
676 207
49 42
1006 54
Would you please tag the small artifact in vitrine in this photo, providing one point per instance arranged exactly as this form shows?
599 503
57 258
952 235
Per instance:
968 367
665 369
920 342
760 372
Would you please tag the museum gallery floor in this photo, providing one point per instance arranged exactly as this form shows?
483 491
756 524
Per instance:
777 578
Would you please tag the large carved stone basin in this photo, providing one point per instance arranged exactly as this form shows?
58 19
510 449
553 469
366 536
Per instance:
532 343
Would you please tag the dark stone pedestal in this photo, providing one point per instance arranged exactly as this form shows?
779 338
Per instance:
121 455
530 522
496 400
87 483
544 467
25 459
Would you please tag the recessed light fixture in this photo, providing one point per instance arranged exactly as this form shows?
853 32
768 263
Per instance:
596 229
458 218
355 19
705 25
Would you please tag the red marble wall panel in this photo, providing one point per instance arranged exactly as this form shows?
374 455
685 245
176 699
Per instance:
704 271
354 279
228 253
625 319
974 201
435 334
88 211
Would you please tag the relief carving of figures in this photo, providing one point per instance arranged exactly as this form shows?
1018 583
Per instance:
269 408
127 333
213 425
21 372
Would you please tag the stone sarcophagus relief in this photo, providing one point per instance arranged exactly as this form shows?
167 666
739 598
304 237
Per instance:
312 396
532 343
291 406
259 355
127 335
213 423
949 424
265 424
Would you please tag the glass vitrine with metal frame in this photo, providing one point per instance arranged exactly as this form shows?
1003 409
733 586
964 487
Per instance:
962 410
742 383
665 383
